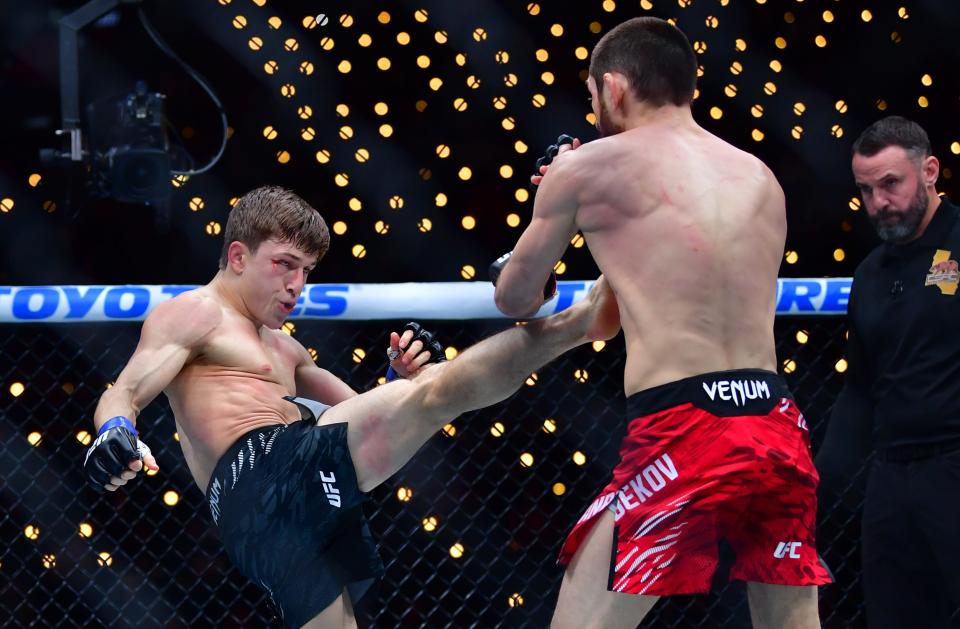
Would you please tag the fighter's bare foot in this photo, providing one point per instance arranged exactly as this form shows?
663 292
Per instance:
603 313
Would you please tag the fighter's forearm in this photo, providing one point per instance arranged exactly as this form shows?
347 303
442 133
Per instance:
515 294
518 301
115 401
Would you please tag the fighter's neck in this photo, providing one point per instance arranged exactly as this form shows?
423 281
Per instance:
641 115
224 290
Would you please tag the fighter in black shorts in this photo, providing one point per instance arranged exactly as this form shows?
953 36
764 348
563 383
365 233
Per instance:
289 512
285 485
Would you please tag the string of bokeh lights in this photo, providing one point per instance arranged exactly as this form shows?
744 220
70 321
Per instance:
347 28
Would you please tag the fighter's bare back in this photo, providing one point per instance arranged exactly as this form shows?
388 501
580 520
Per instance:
690 232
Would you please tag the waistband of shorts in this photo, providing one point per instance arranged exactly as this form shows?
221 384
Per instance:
222 468
724 393
917 451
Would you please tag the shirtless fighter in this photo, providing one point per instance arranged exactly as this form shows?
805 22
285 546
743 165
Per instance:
285 477
689 232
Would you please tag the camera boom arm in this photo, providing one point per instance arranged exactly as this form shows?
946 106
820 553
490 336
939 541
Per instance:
70 25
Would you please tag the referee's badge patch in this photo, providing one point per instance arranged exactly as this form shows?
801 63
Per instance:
944 273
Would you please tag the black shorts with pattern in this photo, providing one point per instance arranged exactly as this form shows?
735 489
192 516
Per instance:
286 502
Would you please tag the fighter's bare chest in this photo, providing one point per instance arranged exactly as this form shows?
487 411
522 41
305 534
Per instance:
248 352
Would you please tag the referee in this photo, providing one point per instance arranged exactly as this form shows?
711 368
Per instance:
902 390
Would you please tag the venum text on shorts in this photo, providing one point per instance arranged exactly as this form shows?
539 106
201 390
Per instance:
737 391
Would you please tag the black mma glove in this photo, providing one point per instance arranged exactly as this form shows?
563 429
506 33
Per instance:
430 343
437 352
549 289
112 451
552 152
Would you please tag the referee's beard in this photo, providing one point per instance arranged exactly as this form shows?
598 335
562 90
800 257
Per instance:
901 226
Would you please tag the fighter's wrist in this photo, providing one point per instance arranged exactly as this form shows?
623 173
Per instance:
116 422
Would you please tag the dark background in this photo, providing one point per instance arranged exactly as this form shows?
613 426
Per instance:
88 240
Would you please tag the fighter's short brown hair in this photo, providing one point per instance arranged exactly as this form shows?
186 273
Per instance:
654 55
274 212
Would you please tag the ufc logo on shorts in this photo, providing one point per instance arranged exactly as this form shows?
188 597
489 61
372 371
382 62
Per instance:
788 549
333 494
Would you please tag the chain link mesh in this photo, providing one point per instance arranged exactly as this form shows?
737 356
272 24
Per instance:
505 484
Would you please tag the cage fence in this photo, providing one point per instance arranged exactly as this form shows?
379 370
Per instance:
469 530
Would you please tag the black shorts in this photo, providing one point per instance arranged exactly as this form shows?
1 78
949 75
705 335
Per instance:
286 502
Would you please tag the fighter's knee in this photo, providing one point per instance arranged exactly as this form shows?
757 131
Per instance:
421 397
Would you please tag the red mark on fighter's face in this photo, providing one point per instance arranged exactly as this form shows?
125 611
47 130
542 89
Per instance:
280 272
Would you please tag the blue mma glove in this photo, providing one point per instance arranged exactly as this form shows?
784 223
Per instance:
112 451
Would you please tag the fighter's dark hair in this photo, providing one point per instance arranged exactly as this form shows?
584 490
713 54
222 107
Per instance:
654 56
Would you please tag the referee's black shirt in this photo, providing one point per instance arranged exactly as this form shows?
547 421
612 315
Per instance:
903 351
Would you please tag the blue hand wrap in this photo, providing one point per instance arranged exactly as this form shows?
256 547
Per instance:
114 422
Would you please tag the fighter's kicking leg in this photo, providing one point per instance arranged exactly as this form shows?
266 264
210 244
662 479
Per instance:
387 425
390 423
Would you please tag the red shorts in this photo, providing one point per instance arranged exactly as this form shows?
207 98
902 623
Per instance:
720 456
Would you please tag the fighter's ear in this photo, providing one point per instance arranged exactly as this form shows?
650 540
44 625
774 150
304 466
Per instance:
237 256
615 85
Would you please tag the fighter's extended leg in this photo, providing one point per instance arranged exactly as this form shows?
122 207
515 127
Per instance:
390 423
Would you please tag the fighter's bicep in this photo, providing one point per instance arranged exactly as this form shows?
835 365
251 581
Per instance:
558 195
170 336
543 242
554 220
150 369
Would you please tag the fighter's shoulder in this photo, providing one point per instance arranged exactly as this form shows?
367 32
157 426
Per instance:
600 147
737 158
756 169
584 161
187 318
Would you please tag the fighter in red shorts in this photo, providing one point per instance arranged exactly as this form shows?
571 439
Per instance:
689 232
